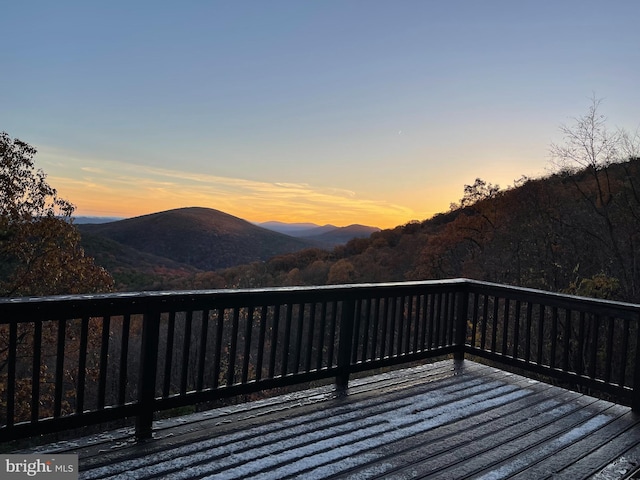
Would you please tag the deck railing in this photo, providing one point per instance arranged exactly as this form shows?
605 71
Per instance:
67 362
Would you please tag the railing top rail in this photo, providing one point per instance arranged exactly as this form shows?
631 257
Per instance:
159 295
550 298
151 296
62 306
139 302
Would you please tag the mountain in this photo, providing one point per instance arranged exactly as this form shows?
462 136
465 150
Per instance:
324 236
203 238
81 220
293 229
341 235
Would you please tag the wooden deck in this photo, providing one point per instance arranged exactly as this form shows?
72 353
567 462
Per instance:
446 420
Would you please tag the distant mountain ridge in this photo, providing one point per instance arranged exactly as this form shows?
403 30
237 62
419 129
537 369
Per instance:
293 229
327 235
83 220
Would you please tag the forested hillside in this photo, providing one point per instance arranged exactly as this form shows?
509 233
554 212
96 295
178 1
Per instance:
576 231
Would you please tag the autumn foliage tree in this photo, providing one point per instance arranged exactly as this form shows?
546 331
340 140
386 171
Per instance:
40 252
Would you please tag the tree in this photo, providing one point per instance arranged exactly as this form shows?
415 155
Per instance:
586 159
480 190
588 144
40 252
342 271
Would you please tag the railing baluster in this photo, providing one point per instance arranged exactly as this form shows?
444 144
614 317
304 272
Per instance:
529 321
505 327
554 337
321 334
298 341
494 331
233 347
432 319
424 321
393 316
246 357
579 357
59 382
624 353
204 335
417 334
217 360
366 336
437 320
451 315
485 321
310 334
609 349
287 340
35 374
622 374
374 335
12 359
186 352
474 319
400 302
82 364
407 342
541 317
567 339
168 354
516 330
444 320
104 357
334 321
385 321
593 352
274 340
261 340
124 356
356 329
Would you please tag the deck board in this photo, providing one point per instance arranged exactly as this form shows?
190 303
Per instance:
446 420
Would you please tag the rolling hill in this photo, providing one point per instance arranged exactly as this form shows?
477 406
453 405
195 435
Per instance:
340 235
326 236
202 238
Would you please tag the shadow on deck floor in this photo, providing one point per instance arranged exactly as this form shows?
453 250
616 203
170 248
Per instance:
446 420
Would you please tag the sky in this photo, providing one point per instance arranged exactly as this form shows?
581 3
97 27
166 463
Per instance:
351 111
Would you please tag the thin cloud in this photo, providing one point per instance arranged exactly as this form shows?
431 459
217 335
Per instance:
132 189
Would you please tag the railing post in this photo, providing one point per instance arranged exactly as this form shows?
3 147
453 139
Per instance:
148 371
345 342
635 400
462 311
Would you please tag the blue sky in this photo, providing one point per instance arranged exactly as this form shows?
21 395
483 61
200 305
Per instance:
371 112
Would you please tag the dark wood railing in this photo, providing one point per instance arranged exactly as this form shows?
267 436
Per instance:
67 362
